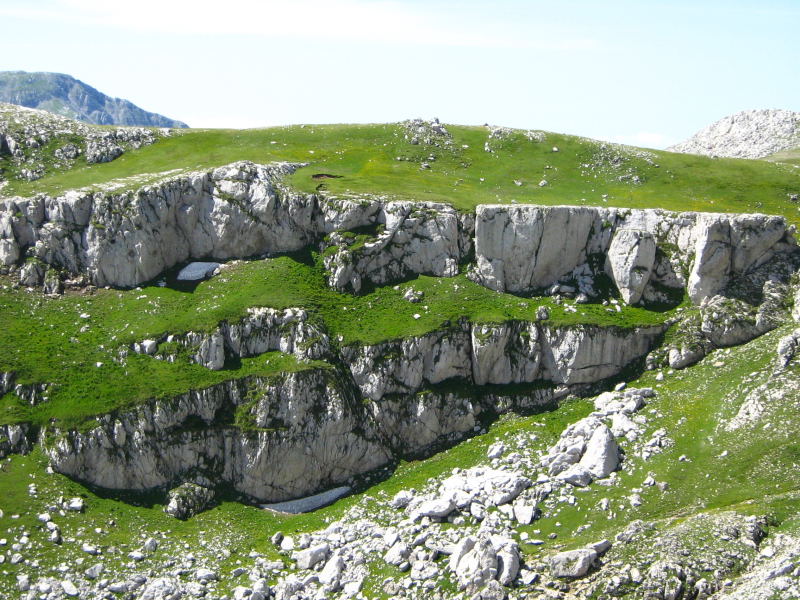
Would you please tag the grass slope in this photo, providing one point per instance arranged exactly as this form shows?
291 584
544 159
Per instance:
46 340
377 159
691 405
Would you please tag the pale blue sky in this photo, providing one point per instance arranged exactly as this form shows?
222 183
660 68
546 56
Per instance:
644 72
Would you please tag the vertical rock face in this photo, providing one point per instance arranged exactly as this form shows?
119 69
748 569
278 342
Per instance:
233 211
524 249
582 354
411 425
303 432
418 238
403 366
242 210
505 353
729 245
288 436
15 439
511 352
630 259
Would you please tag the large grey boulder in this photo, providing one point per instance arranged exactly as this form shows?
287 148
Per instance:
601 456
31 274
308 558
587 449
161 588
630 260
437 508
573 563
187 500
489 487
397 554
474 563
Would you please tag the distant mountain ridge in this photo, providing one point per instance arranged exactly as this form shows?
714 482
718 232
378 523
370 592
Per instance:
66 96
746 134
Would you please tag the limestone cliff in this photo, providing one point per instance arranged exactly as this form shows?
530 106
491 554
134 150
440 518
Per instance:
243 210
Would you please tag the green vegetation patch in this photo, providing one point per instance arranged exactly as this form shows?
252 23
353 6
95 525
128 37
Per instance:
377 159
73 341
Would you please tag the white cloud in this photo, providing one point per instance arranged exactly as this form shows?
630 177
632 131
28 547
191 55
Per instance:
387 21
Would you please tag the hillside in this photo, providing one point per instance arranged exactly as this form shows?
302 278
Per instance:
407 360
68 97
461 165
746 134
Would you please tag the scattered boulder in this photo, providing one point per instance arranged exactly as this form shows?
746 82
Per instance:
573 563
187 500
198 271
402 499
788 346
161 588
76 504
31 274
204 574
437 508
397 554
308 558
601 456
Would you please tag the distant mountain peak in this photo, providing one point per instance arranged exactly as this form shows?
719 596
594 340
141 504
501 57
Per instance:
66 96
746 134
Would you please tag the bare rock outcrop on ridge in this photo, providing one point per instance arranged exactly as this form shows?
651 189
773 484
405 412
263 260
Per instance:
746 134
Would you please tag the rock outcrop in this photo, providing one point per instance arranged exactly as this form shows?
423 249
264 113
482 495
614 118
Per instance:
416 238
528 249
746 134
268 440
511 352
281 438
243 210
37 142
262 330
630 259
16 439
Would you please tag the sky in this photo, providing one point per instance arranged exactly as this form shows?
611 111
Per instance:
645 72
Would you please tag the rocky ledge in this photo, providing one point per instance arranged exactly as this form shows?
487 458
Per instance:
244 210
277 438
